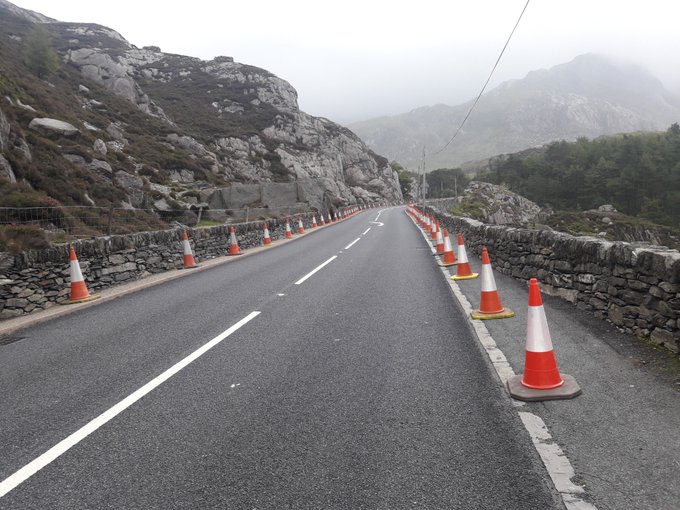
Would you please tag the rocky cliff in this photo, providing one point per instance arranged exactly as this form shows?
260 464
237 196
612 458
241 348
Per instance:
142 128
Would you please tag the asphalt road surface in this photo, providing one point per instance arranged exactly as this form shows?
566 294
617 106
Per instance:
359 386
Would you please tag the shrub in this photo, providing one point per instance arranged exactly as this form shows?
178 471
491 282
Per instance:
18 238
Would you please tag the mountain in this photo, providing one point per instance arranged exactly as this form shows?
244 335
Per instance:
589 96
102 122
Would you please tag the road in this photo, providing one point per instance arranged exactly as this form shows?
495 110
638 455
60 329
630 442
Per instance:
359 387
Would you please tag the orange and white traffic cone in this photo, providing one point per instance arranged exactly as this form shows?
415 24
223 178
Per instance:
79 292
433 235
266 240
323 222
314 225
542 379
189 262
288 234
463 271
439 244
330 220
490 306
449 259
301 228
233 245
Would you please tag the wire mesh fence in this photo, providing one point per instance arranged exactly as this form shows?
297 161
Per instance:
70 222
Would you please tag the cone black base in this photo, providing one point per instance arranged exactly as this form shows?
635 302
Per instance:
518 391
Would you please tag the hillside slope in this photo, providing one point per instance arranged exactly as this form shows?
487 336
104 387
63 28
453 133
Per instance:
156 130
589 96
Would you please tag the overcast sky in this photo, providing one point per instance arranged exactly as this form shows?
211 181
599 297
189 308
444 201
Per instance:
356 59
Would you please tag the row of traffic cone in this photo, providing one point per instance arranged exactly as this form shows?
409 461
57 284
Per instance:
78 292
542 379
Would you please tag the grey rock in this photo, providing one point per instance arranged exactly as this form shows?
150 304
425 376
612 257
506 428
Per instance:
99 147
53 128
101 167
6 170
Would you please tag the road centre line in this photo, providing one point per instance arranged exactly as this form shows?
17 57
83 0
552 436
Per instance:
352 243
378 216
313 271
63 446
366 231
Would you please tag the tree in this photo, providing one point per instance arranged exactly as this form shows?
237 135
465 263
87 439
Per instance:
406 179
39 55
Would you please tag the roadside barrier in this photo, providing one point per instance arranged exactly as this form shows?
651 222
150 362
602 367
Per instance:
542 379
233 244
463 271
188 257
490 306
79 292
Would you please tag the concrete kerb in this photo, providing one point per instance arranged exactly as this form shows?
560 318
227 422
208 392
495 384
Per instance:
104 296
554 459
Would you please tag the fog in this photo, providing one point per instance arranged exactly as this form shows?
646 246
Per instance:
358 59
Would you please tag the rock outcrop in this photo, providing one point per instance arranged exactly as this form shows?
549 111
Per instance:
181 128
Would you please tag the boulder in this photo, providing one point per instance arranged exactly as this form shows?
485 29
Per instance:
6 170
53 128
100 147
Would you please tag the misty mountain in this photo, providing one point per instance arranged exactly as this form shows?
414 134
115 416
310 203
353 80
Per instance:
589 96
86 118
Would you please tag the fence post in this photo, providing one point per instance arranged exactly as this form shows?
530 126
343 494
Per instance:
108 225
200 212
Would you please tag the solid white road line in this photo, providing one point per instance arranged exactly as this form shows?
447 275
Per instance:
57 450
351 244
319 268
556 462
366 231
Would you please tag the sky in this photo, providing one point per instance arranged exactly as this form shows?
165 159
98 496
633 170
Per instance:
352 60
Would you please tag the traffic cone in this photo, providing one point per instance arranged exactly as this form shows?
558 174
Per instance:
301 228
449 258
189 262
266 240
542 379
463 271
330 220
233 245
433 236
288 234
79 292
314 225
490 306
439 244
323 222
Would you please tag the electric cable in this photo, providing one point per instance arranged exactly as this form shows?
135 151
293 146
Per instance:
486 83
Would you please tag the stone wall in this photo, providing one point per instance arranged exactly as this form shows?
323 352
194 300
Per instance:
634 286
39 279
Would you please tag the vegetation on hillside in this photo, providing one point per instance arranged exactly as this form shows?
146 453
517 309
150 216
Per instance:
638 173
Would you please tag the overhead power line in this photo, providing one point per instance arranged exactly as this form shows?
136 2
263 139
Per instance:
487 81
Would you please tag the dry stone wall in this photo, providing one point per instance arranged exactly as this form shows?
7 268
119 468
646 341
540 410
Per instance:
39 279
634 286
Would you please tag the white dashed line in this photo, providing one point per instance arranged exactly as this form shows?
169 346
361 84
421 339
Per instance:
351 244
366 231
62 447
318 268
